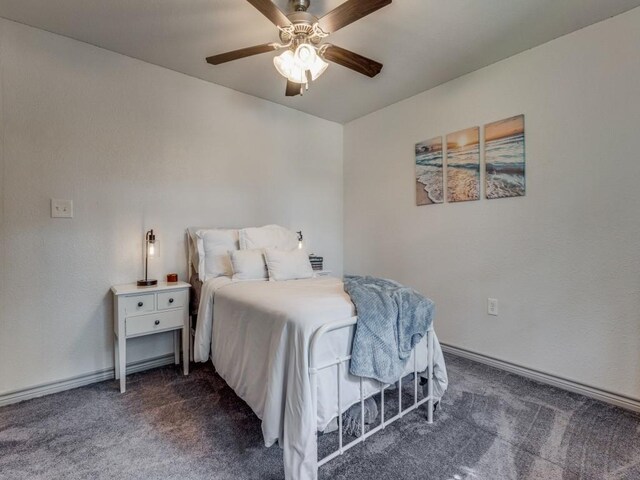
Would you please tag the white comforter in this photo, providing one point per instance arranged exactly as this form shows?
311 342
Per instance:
259 343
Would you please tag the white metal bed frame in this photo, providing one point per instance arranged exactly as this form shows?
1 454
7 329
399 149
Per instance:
339 363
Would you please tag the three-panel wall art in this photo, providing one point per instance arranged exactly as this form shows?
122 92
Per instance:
459 152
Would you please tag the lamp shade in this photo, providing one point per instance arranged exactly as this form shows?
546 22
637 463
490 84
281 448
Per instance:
297 75
284 63
289 68
305 55
318 68
153 249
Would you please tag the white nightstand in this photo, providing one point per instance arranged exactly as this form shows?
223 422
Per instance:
139 311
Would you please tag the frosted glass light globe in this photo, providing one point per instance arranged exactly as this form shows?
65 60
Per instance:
305 55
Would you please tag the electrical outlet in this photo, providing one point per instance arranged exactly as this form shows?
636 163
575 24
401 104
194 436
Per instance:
61 208
492 306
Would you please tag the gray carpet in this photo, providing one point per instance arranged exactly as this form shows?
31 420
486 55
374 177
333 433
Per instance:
492 425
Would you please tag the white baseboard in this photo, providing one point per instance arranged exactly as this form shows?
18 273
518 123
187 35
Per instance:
542 377
81 380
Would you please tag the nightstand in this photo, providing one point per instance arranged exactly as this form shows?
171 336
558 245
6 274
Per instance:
139 311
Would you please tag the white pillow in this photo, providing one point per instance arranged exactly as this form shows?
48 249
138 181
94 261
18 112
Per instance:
248 265
269 236
288 265
213 252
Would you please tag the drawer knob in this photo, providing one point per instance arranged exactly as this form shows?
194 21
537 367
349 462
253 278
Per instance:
171 300
140 304
157 322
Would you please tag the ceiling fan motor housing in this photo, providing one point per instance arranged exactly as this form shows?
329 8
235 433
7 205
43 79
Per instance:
300 5
301 27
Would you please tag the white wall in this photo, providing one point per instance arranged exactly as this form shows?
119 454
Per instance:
134 146
564 261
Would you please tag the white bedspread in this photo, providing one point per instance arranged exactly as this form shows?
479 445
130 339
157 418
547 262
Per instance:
259 343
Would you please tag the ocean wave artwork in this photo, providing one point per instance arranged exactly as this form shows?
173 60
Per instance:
504 158
463 165
429 172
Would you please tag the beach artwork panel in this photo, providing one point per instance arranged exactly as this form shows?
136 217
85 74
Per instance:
463 165
504 158
429 172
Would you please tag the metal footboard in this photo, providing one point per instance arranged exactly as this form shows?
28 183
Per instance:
341 362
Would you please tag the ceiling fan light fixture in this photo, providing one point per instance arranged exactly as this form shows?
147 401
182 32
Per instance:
294 65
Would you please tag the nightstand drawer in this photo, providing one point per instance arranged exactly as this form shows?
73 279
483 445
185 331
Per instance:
155 322
140 303
177 299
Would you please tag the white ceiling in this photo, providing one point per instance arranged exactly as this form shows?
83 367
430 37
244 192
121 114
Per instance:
422 43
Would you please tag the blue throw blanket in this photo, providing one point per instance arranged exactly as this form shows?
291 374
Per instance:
392 319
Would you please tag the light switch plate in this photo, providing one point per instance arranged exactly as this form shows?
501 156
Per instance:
61 208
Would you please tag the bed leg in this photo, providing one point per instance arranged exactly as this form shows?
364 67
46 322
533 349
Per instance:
430 376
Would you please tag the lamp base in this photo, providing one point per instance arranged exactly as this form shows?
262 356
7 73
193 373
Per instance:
147 283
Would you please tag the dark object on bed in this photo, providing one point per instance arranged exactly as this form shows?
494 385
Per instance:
316 262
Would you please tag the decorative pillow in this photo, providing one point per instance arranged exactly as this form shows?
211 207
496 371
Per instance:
269 236
288 265
248 265
213 252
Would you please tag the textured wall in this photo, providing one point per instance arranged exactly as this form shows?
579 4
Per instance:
564 261
136 147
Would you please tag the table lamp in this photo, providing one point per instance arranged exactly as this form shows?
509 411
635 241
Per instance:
149 251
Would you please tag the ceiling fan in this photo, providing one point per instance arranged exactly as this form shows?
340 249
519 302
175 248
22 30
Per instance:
302 35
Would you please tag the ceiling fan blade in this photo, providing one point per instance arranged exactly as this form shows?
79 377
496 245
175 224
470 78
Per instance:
349 12
243 52
271 11
293 89
351 60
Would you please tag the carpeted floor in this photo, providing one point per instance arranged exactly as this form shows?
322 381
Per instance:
492 425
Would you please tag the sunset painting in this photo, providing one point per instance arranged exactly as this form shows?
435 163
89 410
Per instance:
463 165
429 173
504 158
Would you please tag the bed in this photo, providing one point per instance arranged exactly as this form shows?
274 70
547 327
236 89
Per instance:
284 348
